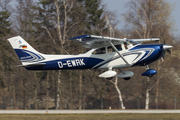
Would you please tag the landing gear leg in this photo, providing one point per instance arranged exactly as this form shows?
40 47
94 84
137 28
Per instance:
147 67
122 71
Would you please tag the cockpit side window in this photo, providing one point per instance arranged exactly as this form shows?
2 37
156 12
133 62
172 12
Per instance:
119 48
100 51
111 49
125 45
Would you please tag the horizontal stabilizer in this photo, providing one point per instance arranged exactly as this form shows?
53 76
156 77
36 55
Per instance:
32 65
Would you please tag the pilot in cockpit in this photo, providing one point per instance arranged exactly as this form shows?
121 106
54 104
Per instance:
125 45
118 47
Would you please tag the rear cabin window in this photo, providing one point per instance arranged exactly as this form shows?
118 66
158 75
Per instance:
110 49
100 51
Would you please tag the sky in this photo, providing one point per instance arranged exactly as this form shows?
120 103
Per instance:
119 7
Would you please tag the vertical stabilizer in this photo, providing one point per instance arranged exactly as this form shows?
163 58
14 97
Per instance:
26 53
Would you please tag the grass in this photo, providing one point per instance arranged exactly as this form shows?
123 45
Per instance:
121 116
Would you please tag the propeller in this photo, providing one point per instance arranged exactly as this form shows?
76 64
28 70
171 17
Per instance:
165 48
163 54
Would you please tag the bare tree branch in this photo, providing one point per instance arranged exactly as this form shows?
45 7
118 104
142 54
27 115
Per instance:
158 79
50 35
58 20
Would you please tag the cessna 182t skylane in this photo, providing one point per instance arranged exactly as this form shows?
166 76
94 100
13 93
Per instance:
106 53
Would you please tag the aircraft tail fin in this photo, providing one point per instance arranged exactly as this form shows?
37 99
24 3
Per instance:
26 53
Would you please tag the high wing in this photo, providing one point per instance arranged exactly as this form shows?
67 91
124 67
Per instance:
93 41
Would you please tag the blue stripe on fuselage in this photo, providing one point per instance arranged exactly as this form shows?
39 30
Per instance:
68 63
28 56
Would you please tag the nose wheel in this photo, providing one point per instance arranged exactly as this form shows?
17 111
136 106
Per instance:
149 72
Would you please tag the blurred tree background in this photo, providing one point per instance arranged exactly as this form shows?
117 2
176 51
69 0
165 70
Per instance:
48 24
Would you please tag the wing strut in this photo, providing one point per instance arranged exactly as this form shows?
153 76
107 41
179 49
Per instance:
118 52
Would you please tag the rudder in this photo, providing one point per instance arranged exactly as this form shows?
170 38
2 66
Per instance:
26 53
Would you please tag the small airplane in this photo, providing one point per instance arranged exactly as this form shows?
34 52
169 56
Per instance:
106 53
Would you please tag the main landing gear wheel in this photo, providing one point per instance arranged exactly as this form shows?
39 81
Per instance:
128 78
109 78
